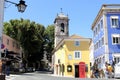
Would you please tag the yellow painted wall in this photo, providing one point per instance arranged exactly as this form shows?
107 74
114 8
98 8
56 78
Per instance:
69 48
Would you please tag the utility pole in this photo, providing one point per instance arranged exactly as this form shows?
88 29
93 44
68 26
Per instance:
2 77
21 8
1 22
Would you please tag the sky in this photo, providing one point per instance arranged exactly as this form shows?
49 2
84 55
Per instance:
81 13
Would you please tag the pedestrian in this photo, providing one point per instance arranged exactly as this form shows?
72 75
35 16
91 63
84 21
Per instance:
110 70
96 73
7 70
106 70
95 70
3 67
101 73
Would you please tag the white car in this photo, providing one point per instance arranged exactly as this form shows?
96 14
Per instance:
117 70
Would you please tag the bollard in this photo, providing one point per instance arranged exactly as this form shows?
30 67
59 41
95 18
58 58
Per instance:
2 77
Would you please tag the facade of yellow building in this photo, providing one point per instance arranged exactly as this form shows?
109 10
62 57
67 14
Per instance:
69 53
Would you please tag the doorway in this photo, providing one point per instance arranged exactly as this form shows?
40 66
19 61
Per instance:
76 71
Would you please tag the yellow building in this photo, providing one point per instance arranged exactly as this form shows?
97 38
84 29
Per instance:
71 53
68 53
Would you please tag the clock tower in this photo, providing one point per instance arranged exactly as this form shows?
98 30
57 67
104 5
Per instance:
61 24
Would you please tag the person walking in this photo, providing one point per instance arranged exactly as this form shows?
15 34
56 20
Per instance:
110 70
8 68
96 73
106 70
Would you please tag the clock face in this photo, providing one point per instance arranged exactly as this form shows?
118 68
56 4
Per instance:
70 57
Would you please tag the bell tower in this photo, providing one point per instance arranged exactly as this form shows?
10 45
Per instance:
61 24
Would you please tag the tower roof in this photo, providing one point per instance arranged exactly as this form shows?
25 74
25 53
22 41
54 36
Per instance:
61 16
75 36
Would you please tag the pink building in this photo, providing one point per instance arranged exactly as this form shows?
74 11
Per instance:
10 44
14 54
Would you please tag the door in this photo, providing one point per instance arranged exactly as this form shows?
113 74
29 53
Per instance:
76 71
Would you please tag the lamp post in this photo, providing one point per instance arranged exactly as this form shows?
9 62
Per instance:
21 8
21 5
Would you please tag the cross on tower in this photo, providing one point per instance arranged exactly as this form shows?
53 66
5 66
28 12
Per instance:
61 10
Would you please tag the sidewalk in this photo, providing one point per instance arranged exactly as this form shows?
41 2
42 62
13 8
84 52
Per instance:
11 77
61 76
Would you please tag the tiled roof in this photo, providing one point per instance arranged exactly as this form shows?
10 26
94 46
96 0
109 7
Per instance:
75 36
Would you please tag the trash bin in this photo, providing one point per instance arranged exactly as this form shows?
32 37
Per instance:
2 77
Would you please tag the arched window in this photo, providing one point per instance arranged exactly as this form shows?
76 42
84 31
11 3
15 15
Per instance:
62 27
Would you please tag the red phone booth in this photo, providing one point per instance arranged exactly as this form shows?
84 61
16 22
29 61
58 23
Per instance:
82 70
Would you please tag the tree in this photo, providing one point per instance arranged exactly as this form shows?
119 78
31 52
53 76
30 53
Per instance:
33 37
30 35
49 38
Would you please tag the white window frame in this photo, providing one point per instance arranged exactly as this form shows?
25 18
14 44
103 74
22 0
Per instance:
76 56
117 56
116 36
114 17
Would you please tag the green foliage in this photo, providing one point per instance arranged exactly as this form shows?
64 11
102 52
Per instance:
34 38
28 34
49 38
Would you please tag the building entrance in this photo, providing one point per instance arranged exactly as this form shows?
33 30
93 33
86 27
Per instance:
76 71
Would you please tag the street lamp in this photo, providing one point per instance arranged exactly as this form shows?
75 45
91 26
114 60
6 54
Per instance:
21 6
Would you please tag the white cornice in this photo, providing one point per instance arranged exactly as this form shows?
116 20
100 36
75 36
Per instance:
104 9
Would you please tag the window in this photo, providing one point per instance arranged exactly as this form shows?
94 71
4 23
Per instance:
13 43
116 39
94 33
117 59
103 41
58 60
77 55
94 47
62 27
98 27
96 30
69 57
77 43
101 23
99 44
69 68
114 21
17 46
7 41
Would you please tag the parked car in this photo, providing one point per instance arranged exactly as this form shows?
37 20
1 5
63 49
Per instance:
30 69
117 70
